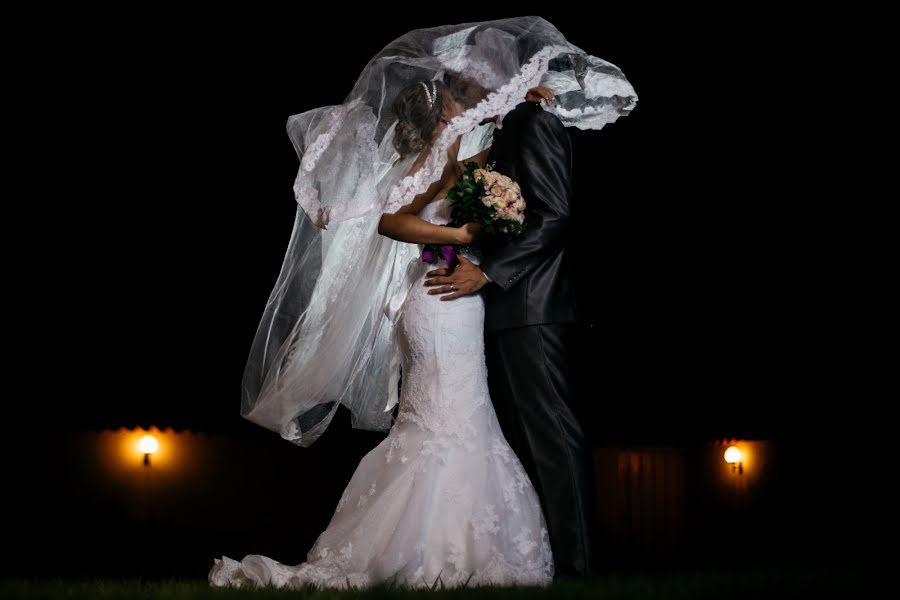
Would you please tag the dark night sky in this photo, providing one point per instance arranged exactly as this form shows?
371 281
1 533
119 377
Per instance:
702 264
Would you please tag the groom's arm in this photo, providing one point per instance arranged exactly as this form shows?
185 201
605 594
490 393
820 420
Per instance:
546 182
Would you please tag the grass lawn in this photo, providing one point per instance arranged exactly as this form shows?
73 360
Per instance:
725 585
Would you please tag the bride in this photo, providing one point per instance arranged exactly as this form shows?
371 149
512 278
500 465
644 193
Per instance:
442 499
443 496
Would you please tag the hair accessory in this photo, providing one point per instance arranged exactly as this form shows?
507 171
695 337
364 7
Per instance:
430 93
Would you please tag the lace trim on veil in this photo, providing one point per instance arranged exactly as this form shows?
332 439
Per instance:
498 102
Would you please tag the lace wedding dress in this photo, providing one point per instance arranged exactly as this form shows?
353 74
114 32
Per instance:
443 497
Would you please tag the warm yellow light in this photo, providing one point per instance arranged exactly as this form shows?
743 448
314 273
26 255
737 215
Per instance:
733 455
148 444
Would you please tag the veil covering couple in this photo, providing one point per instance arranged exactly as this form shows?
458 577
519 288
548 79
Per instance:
484 476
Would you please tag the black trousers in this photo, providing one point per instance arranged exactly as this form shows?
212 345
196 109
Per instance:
530 373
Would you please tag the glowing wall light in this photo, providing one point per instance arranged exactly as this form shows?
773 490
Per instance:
148 445
735 458
178 454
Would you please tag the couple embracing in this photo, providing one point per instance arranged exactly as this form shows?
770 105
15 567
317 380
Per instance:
485 475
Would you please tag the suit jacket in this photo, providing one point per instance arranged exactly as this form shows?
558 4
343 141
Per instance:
531 272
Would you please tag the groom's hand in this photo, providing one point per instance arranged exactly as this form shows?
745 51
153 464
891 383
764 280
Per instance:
466 279
541 94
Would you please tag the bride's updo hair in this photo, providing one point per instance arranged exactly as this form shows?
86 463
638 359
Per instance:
418 115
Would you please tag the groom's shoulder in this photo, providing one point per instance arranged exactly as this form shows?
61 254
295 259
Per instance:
545 117
525 110
534 117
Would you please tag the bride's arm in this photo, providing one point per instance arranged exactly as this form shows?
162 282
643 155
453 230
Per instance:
405 226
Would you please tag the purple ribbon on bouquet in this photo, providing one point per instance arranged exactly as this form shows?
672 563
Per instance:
431 252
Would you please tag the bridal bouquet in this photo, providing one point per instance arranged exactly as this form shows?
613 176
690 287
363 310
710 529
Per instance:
481 196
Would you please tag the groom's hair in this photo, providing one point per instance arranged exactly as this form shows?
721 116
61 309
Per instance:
464 90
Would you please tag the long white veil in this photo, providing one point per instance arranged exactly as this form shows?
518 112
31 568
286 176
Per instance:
325 337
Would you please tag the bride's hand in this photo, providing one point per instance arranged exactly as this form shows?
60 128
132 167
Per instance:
469 233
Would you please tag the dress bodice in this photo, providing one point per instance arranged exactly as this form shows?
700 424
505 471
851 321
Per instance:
436 211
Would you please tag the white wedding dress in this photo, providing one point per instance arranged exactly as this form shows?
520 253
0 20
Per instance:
443 497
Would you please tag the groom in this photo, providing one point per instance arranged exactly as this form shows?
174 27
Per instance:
530 328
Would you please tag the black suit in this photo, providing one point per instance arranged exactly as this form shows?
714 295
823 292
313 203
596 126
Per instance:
530 326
